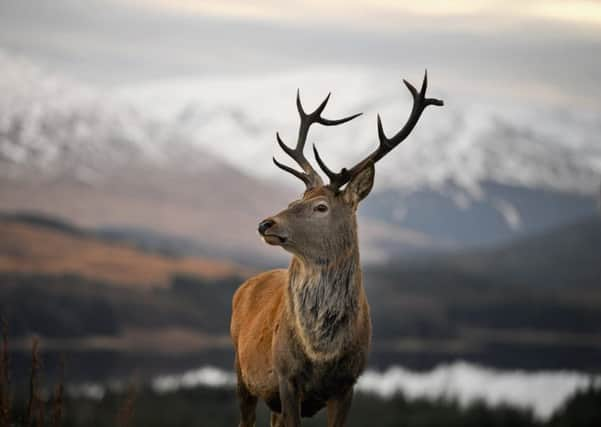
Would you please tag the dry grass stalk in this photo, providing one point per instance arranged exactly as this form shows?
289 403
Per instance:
58 401
5 397
41 413
33 405
126 411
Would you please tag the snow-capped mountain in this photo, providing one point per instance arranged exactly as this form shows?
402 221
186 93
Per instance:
99 160
57 127
493 168
465 143
184 155
75 151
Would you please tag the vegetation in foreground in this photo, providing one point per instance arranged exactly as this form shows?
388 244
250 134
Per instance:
210 407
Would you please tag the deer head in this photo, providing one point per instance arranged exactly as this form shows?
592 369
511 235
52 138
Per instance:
322 224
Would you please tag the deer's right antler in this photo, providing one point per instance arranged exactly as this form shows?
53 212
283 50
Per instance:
309 176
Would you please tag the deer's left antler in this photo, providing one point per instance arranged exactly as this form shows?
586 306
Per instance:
420 102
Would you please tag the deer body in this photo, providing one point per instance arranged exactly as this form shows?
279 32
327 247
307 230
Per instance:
302 335
308 325
280 340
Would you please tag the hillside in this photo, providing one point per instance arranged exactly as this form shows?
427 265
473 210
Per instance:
563 257
29 247
123 307
535 299
560 257
95 299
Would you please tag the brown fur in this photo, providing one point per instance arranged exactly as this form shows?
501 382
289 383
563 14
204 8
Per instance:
302 335
257 310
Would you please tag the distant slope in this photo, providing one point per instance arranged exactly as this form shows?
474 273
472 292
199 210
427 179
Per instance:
85 294
566 256
534 303
39 246
504 213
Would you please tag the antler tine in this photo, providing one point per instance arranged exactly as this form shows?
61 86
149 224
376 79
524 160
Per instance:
332 176
303 177
309 176
420 102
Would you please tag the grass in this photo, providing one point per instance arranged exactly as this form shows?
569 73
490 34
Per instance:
5 396
126 411
38 410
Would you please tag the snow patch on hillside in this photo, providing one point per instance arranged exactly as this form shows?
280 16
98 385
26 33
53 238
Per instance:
542 392
464 143
53 126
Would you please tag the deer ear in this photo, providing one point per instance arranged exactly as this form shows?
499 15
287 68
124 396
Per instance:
360 185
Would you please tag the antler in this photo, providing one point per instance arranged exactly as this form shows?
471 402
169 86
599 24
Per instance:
309 176
420 102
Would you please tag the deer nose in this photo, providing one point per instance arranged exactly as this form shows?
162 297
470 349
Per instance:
265 225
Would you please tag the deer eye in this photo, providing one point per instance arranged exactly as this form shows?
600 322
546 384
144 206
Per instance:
321 208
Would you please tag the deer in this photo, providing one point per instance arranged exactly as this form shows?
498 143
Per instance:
302 335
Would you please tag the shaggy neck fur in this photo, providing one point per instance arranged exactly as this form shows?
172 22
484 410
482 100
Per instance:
323 296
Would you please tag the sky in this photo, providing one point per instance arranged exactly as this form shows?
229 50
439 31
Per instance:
376 14
545 50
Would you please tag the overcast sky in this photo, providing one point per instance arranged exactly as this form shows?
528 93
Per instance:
535 48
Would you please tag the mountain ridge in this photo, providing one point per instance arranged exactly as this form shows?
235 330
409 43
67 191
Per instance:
192 159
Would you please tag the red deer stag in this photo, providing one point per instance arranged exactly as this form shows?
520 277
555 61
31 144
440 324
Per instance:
302 335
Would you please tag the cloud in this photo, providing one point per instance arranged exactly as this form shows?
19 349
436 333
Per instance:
387 14
588 12
488 46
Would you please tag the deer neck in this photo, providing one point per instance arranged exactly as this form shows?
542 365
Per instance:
323 300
